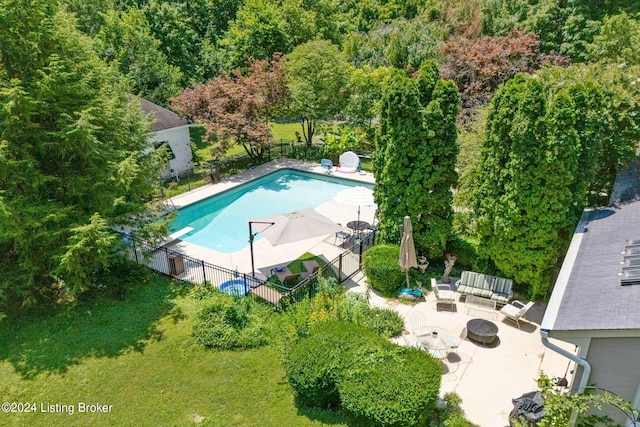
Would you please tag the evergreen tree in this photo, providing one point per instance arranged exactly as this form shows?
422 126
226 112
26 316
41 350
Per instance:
70 155
415 158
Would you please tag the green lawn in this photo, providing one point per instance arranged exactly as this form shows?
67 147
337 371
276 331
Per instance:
138 356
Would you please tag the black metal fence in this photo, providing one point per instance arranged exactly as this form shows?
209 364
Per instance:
199 272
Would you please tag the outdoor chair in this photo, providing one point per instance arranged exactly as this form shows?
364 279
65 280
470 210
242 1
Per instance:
312 268
343 236
443 294
285 275
349 162
416 322
327 165
516 310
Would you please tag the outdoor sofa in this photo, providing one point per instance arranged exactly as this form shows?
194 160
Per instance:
482 285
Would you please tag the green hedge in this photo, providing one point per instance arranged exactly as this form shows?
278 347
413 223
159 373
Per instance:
382 268
349 366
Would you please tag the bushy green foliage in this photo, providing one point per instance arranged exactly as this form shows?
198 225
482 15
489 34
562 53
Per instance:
449 413
464 250
341 364
227 323
414 161
558 138
332 302
385 321
393 386
70 159
382 268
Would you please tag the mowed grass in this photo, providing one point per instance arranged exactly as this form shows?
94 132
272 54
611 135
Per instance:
138 356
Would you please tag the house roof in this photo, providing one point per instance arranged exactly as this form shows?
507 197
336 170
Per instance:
164 119
588 294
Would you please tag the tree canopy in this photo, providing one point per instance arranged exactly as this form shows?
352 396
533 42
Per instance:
235 109
70 156
317 77
415 158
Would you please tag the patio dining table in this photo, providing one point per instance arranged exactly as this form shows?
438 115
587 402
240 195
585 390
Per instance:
437 341
358 227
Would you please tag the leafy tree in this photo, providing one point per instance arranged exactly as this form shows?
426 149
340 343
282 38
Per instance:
70 156
365 93
236 108
318 78
617 41
403 44
258 32
415 157
171 22
530 156
125 40
479 66
559 406
538 131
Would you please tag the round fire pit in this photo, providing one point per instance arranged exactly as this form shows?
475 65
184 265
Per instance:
482 331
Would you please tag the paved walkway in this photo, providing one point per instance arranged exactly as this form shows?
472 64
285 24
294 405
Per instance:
486 378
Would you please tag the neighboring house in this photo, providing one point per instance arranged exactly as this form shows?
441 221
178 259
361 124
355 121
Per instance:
170 132
595 303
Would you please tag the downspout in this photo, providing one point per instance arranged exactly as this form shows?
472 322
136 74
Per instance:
579 360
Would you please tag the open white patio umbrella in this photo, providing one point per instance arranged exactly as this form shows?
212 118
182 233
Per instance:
407 249
356 196
290 227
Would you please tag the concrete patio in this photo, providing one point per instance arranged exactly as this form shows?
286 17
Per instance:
486 378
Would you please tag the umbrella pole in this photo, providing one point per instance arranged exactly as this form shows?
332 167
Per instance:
253 272
407 274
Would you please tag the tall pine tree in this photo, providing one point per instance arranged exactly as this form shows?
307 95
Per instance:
71 162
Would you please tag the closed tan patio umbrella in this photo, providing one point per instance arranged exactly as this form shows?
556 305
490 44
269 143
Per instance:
407 249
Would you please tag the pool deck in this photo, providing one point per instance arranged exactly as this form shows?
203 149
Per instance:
267 256
486 378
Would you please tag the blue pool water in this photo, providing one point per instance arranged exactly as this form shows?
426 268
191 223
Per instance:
220 222
236 287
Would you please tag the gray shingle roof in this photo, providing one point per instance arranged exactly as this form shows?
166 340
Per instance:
592 297
164 119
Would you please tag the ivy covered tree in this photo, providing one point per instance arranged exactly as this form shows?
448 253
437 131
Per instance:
236 108
531 190
71 162
529 163
415 158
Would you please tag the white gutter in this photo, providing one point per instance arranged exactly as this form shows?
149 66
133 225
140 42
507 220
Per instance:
586 366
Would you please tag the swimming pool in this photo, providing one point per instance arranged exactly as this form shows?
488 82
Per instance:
220 222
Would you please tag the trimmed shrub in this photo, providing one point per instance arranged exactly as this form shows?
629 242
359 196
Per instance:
314 364
381 266
380 383
401 390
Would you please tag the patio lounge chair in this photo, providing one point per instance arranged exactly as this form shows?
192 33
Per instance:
285 275
443 294
516 310
311 266
349 162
